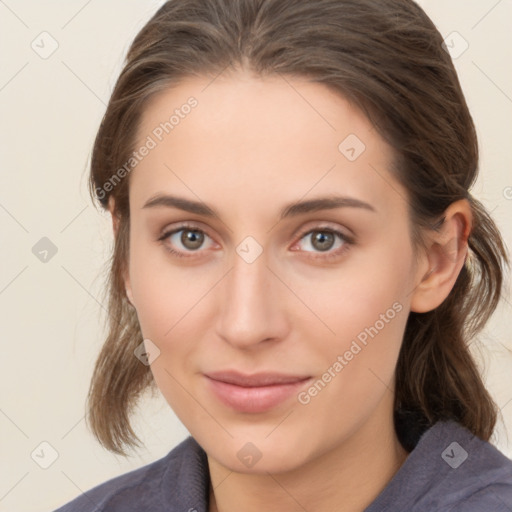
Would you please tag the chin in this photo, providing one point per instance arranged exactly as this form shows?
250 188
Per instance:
257 454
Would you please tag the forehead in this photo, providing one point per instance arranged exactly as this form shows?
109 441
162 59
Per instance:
239 105
277 137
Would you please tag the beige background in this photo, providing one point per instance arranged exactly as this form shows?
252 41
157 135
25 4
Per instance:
50 109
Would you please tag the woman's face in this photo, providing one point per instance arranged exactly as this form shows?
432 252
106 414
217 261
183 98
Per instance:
278 318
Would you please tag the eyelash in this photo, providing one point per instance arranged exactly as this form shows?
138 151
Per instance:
348 241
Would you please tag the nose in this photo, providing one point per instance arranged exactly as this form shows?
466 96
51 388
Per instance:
252 307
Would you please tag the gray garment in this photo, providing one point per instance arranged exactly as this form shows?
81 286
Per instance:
449 470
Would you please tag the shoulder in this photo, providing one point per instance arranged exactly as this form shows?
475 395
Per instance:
477 476
468 473
150 487
452 470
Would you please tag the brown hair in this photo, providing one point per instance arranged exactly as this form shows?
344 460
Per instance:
386 57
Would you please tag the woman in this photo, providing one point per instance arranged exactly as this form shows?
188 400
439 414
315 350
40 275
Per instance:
299 266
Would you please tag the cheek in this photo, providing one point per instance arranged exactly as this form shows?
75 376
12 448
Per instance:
367 308
162 291
358 365
163 296
370 288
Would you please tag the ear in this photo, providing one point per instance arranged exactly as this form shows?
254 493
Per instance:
447 249
115 217
115 227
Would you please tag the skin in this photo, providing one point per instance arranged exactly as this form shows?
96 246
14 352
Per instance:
249 148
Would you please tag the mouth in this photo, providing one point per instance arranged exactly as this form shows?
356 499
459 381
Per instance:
254 393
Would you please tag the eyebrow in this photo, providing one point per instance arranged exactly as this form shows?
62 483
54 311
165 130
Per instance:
291 210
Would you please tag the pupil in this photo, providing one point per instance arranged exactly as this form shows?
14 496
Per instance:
192 239
323 240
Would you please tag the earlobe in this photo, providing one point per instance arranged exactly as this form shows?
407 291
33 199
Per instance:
128 287
115 218
115 227
129 294
446 254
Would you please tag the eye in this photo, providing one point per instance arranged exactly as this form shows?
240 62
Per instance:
323 243
185 239
325 240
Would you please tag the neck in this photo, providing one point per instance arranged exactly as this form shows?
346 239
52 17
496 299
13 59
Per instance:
346 478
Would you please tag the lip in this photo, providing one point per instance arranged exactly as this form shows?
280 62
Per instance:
254 393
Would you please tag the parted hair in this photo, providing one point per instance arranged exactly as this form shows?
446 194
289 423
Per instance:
387 58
